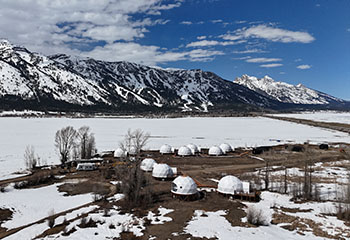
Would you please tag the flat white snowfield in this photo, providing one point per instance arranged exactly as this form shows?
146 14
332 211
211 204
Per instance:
16 133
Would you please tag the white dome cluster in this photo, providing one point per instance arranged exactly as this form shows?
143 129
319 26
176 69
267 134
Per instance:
184 186
147 164
184 151
162 170
230 185
215 151
118 153
226 148
166 149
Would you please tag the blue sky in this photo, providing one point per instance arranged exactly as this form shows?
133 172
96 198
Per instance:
300 41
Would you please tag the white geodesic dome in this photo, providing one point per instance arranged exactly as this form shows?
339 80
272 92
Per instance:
225 147
230 185
162 170
133 150
215 151
184 151
166 149
184 186
193 148
118 153
147 164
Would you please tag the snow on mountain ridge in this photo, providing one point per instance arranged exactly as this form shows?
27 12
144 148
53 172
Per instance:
285 92
63 80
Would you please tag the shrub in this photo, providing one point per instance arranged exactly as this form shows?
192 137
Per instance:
256 216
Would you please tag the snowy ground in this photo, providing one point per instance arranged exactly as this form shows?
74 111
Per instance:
16 133
331 179
323 116
215 225
37 229
31 205
111 226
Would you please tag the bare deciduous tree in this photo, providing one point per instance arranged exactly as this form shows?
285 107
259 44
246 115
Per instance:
86 142
30 159
134 183
135 187
308 184
134 141
65 141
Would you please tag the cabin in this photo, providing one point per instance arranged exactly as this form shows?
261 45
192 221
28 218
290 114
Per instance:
194 148
184 151
166 149
226 148
147 164
230 185
215 151
119 153
162 171
184 188
233 187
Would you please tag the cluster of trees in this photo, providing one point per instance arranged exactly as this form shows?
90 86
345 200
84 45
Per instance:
72 144
305 188
31 160
134 141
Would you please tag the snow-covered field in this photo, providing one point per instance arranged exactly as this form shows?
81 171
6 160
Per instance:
16 133
31 205
323 116
215 225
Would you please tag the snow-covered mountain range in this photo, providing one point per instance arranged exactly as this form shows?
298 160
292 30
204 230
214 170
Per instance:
284 92
61 82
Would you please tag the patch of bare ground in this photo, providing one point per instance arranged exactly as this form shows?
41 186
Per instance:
5 214
184 211
295 210
302 225
61 228
83 187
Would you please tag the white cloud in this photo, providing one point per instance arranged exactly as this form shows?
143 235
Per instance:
217 21
271 65
69 26
230 37
304 66
113 33
263 60
254 50
242 58
149 55
206 43
186 22
348 30
270 33
201 37
200 55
